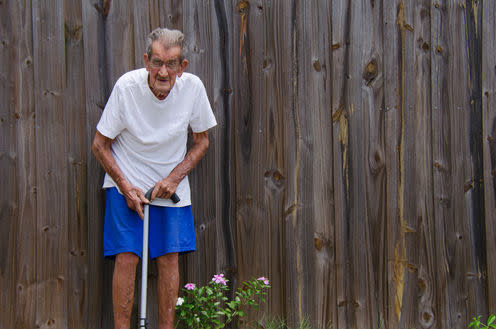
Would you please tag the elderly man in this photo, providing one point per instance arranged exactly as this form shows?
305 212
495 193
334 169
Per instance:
141 143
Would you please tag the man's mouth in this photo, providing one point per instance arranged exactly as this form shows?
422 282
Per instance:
162 79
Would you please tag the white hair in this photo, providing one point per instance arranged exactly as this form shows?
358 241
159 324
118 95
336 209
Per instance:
168 38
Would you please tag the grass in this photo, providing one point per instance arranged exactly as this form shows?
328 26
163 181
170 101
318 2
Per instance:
276 323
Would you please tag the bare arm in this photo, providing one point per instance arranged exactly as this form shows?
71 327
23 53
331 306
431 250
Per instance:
134 196
167 186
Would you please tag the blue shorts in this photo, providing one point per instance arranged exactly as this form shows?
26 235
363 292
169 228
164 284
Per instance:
171 228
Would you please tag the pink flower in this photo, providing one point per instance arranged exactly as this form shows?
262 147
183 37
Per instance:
190 286
219 278
264 279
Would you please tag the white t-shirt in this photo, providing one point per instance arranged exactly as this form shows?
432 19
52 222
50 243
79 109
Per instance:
150 135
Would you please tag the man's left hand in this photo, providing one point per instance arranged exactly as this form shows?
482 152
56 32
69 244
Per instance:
164 189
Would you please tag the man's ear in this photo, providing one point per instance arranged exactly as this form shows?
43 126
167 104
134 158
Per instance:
184 64
147 61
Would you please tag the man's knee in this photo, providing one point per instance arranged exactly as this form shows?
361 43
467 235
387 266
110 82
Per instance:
126 260
168 260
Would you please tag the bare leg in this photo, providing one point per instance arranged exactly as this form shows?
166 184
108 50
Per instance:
167 286
123 289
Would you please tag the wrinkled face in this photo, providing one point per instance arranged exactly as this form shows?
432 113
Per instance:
163 67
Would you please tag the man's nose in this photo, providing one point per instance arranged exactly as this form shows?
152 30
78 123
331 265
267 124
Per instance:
163 71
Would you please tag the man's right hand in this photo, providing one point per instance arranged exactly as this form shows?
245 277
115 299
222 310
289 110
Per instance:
134 196
135 199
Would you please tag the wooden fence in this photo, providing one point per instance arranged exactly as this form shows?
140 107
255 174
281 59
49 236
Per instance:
353 164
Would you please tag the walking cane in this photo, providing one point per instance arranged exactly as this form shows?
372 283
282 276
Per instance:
143 322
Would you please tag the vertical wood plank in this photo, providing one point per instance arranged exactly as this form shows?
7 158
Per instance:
340 36
17 205
360 218
314 103
392 126
489 142
252 227
119 39
474 221
221 99
142 27
372 161
405 263
276 84
420 219
8 174
439 150
456 185
99 304
25 258
51 164
74 106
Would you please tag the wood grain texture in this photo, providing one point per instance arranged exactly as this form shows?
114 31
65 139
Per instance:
97 292
8 214
74 104
488 140
392 127
339 47
25 257
352 163
254 143
421 218
51 165
18 205
314 103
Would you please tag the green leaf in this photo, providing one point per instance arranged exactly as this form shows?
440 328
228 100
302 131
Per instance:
491 319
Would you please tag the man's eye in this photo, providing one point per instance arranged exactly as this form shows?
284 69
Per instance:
157 63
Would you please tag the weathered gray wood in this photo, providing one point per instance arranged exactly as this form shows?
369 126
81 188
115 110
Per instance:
464 237
77 223
8 196
440 155
98 294
17 210
142 26
372 158
51 165
421 228
374 216
25 257
456 191
392 127
406 246
474 231
253 65
314 102
338 73
119 39
489 142
363 309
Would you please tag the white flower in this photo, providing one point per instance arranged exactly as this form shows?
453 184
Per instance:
180 301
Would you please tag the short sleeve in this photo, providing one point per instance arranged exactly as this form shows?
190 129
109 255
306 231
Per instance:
202 117
112 122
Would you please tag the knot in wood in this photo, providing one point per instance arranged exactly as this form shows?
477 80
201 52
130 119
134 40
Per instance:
371 71
316 65
243 7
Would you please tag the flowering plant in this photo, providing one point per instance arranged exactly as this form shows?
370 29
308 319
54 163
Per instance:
208 307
